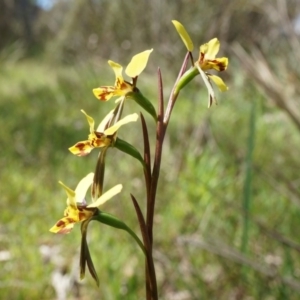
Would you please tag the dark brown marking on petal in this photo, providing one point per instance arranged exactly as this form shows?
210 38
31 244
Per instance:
80 146
81 207
103 95
201 58
96 143
118 84
124 86
220 65
60 223
98 134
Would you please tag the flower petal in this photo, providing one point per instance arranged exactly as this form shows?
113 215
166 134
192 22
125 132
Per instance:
82 148
71 201
83 186
184 35
117 68
121 87
219 64
106 196
211 93
90 121
138 63
63 226
210 49
104 93
219 82
130 118
102 141
104 122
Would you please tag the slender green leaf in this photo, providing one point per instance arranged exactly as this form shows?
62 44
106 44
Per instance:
138 97
128 149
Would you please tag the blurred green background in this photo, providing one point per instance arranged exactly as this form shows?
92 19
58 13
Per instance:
228 206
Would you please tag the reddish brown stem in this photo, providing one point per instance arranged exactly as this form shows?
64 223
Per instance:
147 157
157 158
150 270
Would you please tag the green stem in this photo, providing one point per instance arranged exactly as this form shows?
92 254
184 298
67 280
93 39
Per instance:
188 76
173 95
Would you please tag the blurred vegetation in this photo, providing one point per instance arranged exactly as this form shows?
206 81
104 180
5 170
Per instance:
228 207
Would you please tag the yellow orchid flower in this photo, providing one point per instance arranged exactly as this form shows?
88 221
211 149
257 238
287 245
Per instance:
207 56
77 210
100 137
207 61
122 87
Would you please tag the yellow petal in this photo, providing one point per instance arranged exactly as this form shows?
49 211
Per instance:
79 214
83 186
90 121
120 88
104 93
82 148
219 64
106 196
117 68
203 49
184 35
219 82
104 122
71 195
210 49
130 118
63 226
138 63
102 141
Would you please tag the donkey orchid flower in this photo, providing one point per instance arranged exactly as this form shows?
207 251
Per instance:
121 86
77 209
100 137
207 61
